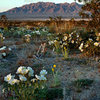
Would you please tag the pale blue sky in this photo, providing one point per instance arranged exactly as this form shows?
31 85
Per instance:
8 4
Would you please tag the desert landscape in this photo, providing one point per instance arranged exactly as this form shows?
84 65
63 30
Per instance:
50 51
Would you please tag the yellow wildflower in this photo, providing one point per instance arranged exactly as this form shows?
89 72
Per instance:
54 66
65 48
53 69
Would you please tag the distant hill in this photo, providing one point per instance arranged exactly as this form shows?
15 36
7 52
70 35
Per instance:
44 10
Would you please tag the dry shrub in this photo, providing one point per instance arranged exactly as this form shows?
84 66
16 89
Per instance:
21 62
37 67
19 42
1 44
30 56
61 26
26 54
25 62
98 67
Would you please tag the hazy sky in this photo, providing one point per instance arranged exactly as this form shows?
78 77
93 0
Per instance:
8 4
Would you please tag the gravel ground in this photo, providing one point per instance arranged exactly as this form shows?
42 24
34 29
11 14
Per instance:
72 69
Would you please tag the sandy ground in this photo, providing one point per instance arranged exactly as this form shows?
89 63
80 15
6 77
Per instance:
72 69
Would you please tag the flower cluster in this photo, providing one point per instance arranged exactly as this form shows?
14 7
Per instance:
90 47
66 40
24 74
53 68
10 79
42 75
26 85
22 31
74 38
23 71
78 40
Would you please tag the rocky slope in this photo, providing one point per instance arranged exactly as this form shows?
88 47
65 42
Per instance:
44 10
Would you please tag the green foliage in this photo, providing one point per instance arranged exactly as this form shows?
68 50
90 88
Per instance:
38 65
21 31
65 53
57 47
54 93
39 94
26 87
29 92
55 79
82 83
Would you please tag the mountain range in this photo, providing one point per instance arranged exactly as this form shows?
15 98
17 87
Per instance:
44 10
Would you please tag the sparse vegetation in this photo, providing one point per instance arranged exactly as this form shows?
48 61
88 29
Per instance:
65 57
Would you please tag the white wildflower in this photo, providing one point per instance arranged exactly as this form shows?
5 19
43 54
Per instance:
27 35
22 70
81 46
19 70
55 41
9 49
86 45
22 78
37 32
3 38
97 39
13 81
43 72
4 54
70 35
65 38
96 44
90 39
51 42
98 34
8 77
81 50
3 48
72 41
77 35
64 43
30 71
42 77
